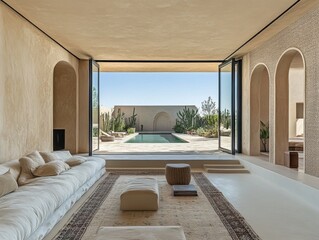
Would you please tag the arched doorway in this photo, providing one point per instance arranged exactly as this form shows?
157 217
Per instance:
64 103
259 109
162 122
289 105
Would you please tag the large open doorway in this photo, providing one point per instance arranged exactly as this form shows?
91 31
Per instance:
290 105
259 111
193 122
135 105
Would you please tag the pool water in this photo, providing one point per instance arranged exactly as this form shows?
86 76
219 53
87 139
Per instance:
155 138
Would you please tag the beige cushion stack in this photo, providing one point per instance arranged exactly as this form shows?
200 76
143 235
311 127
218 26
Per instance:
140 194
44 164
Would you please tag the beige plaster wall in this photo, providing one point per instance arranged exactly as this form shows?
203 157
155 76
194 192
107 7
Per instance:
27 61
83 106
147 114
302 35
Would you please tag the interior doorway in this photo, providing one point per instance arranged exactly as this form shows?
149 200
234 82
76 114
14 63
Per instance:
290 105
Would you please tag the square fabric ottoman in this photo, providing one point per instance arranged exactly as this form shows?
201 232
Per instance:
140 194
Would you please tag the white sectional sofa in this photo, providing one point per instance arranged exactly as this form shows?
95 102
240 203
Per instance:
33 209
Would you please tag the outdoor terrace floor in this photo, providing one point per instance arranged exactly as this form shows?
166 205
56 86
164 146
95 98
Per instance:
194 145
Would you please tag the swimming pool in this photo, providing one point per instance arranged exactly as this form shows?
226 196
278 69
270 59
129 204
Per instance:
155 138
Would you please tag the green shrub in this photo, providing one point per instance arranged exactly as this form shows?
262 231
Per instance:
211 132
131 130
179 128
201 131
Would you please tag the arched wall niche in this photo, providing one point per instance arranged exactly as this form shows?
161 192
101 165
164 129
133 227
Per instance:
64 103
162 122
259 107
289 90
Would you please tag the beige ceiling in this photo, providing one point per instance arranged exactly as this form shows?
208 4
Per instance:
156 29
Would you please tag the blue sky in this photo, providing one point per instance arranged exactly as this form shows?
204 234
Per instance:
157 88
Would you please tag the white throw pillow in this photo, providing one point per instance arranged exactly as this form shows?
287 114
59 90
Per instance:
7 183
75 160
51 169
49 157
63 155
27 166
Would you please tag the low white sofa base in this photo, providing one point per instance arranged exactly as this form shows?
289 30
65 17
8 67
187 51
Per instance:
30 212
48 225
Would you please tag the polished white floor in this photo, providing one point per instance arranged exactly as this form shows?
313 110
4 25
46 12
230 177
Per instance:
275 212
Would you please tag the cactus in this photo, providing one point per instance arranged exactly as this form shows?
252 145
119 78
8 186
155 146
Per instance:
131 121
187 119
118 121
106 122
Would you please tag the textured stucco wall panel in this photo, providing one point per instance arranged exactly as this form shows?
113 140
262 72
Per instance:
27 60
146 115
303 35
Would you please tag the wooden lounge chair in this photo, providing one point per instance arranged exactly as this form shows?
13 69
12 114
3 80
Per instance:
105 137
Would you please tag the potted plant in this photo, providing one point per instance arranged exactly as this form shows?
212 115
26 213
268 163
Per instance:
264 134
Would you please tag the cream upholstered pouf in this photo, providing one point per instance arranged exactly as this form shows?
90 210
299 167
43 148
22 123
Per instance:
178 174
140 194
141 233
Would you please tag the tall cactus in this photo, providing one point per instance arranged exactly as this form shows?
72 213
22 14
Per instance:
187 118
106 122
118 122
131 121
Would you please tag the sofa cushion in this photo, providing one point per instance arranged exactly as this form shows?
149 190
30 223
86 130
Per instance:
63 155
14 167
3 169
7 183
49 156
36 156
27 166
23 211
52 168
75 160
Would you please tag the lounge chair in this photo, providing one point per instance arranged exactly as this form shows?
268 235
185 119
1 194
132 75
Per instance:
105 137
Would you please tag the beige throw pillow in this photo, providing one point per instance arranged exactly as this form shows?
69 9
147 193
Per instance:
49 157
7 183
75 160
51 169
27 166
35 156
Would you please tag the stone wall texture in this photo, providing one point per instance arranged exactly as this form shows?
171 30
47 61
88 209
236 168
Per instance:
27 61
302 35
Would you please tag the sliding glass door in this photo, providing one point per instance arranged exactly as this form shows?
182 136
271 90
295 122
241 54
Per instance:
226 107
94 106
230 106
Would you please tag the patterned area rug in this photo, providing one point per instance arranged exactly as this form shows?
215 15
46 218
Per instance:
206 217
